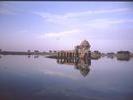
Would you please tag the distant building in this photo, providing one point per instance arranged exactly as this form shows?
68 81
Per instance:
123 55
111 55
29 52
54 51
95 54
36 52
123 52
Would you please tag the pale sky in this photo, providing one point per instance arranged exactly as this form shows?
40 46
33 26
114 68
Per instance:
108 26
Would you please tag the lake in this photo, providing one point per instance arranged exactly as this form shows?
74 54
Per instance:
40 78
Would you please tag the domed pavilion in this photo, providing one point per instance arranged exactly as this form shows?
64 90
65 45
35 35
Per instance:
83 49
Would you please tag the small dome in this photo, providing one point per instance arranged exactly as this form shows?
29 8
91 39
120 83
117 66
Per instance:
85 43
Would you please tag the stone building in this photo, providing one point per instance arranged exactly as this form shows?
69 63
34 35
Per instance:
83 49
123 55
80 51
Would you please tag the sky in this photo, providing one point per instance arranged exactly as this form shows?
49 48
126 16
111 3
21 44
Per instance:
54 25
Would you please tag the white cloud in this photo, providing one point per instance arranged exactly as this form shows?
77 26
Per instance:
121 21
8 8
80 21
81 26
85 13
5 9
60 34
106 23
93 28
53 18
112 10
66 17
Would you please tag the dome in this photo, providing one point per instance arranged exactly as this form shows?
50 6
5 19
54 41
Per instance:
85 43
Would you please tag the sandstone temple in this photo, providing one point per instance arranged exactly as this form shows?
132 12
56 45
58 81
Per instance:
81 51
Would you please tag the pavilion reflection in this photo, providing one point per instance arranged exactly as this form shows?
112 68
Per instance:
29 56
83 65
34 56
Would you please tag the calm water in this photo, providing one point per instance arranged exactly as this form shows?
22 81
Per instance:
23 78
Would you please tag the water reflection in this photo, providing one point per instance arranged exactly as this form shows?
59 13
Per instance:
125 58
29 56
36 56
83 65
44 78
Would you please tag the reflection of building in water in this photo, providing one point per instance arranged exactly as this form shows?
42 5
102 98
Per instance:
0 56
36 56
81 64
29 56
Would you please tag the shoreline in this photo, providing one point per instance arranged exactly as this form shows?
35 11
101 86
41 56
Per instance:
120 55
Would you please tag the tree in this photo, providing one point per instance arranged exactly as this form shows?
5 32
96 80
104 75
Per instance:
50 51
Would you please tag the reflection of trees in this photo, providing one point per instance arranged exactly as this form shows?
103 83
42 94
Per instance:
29 56
36 56
81 64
